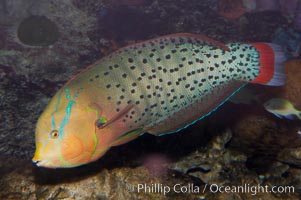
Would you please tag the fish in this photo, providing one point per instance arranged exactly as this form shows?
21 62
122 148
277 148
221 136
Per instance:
158 86
282 108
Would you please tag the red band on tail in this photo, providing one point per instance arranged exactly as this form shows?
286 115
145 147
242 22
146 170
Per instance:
267 63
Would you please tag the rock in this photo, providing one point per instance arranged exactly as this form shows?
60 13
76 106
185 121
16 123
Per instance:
292 89
38 31
267 135
213 163
291 156
2 38
21 180
69 31
120 183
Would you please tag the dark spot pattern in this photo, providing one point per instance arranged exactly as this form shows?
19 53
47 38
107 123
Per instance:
166 76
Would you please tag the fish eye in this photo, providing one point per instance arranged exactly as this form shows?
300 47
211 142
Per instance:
54 134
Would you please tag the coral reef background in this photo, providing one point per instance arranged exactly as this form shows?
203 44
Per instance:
247 146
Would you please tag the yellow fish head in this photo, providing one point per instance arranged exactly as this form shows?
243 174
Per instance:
65 135
71 132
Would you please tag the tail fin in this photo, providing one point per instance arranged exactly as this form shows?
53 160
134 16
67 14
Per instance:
271 59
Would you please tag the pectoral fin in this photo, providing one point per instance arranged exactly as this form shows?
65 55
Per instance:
128 137
118 116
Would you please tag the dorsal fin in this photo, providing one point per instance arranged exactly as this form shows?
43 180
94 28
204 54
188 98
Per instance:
200 37
183 35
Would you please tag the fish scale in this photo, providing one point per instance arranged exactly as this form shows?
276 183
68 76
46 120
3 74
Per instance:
167 75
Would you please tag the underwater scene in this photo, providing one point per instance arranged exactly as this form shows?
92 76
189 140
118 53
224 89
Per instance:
150 99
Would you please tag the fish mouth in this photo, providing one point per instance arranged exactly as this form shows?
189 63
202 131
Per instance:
37 161
42 163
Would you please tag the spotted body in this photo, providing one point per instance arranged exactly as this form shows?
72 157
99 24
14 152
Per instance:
158 86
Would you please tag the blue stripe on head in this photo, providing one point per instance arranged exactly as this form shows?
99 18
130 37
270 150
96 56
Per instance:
67 94
66 117
55 110
68 111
